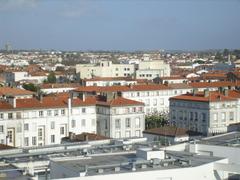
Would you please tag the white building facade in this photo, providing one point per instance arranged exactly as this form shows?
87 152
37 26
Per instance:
208 112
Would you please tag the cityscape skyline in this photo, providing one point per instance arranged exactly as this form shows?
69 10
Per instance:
120 25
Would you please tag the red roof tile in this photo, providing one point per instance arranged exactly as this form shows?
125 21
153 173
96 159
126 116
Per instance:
167 131
213 96
14 91
142 87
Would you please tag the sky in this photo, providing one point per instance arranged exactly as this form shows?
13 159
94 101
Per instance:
125 25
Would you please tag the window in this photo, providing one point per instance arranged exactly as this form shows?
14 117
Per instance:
10 136
137 122
34 114
40 134
10 115
40 113
106 124
118 135
117 124
128 134
93 122
1 115
52 138
161 101
34 141
137 133
83 110
181 115
154 102
173 114
215 118
185 115
26 141
19 115
231 116
223 116
26 127
55 112
147 102
196 116
128 123
140 109
83 122
62 130
73 123
134 109
203 117
62 111
52 125
1 129
49 113
191 116
127 110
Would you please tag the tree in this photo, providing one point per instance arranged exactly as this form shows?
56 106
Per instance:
30 87
51 78
156 120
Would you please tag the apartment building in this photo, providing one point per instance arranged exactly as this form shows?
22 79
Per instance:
39 121
108 81
205 112
144 70
154 96
104 69
152 69
120 117
44 121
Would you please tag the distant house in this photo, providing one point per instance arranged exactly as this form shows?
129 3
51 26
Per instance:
168 134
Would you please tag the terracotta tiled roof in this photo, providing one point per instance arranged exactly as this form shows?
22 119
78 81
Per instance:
213 75
167 131
119 101
179 86
212 97
59 85
14 91
52 102
59 101
172 77
142 87
4 146
86 136
5 105
110 79
212 84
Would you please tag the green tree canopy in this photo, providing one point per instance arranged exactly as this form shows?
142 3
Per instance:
30 87
51 78
156 120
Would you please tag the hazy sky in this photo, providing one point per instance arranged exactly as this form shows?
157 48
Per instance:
120 24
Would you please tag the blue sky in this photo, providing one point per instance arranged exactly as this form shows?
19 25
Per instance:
120 24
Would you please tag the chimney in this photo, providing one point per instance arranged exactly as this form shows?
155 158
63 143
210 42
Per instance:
110 96
69 105
130 86
220 89
195 91
225 92
206 93
82 96
12 100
